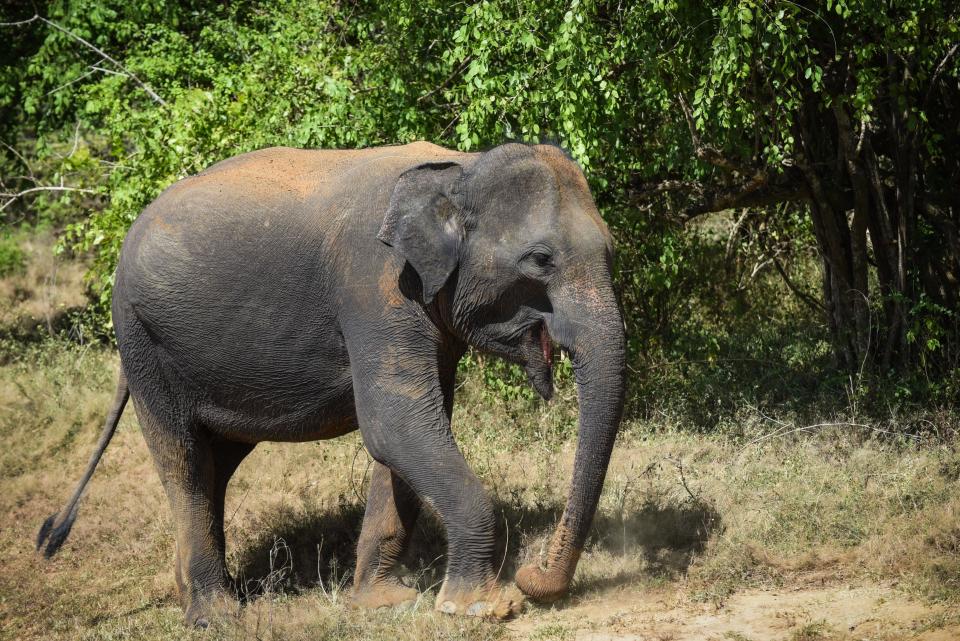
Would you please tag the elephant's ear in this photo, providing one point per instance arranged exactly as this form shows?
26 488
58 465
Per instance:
422 225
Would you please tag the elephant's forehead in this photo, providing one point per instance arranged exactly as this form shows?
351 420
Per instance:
568 217
577 212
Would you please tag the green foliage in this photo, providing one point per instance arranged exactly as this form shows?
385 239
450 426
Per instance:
508 382
602 79
12 258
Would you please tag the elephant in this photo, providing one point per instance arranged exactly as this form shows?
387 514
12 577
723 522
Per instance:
295 295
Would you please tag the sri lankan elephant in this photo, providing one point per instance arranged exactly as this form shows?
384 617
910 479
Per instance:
295 295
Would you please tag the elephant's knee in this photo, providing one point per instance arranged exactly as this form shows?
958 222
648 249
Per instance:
473 524
381 448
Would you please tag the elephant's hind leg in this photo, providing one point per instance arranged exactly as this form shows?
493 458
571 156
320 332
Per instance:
227 456
185 462
392 509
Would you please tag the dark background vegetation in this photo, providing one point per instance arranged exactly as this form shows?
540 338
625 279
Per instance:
782 177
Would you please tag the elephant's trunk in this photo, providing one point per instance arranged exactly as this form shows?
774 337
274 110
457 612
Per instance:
593 334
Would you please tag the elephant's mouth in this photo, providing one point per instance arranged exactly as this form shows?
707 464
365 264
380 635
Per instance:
537 347
546 344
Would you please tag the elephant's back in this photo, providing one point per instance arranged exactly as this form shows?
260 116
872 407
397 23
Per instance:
297 196
311 174
280 172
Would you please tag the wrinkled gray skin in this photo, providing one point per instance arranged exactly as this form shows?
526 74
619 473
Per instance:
288 295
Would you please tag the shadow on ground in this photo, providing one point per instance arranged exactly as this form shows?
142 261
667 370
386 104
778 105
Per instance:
306 549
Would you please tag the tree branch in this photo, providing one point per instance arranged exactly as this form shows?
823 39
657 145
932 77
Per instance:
712 155
936 74
670 185
802 295
755 193
442 85
103 54
12 197
689 117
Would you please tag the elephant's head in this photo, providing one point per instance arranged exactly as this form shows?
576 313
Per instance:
510 248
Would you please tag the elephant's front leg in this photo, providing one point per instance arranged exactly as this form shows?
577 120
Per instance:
401 410
391 513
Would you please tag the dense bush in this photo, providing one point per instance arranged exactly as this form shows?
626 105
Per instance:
674 109
12 259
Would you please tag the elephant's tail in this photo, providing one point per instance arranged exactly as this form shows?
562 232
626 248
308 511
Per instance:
57 527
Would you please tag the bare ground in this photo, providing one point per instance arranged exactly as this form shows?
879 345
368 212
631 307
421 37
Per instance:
794 611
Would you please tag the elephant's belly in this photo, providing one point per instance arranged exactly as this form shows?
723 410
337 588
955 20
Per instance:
283 412
309 421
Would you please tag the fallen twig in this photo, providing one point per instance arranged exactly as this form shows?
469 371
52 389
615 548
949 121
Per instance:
788 428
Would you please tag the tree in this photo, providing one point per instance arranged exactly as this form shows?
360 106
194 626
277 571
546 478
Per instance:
849 111
840 113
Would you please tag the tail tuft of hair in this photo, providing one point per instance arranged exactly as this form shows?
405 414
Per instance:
52 534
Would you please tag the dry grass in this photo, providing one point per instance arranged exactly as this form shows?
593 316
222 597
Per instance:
37 298
698 518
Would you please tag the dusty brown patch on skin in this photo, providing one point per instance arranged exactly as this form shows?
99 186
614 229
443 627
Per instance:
388 284
553 582
266 179
402 386
583 291
305 173
425 147
296 172
160 224
398 377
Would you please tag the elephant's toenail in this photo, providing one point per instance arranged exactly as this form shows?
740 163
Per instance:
477 609
448 607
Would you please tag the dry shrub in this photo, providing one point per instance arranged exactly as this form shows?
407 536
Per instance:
38 298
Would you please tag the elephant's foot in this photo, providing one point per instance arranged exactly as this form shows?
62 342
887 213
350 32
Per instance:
493 600
383 593
207 609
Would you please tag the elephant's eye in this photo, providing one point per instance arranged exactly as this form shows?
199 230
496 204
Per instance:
540 259
537 263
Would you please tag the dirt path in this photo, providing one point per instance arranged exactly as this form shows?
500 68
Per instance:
861 612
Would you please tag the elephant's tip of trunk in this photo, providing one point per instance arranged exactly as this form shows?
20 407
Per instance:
540 585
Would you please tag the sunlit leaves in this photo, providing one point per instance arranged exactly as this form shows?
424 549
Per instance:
602 79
